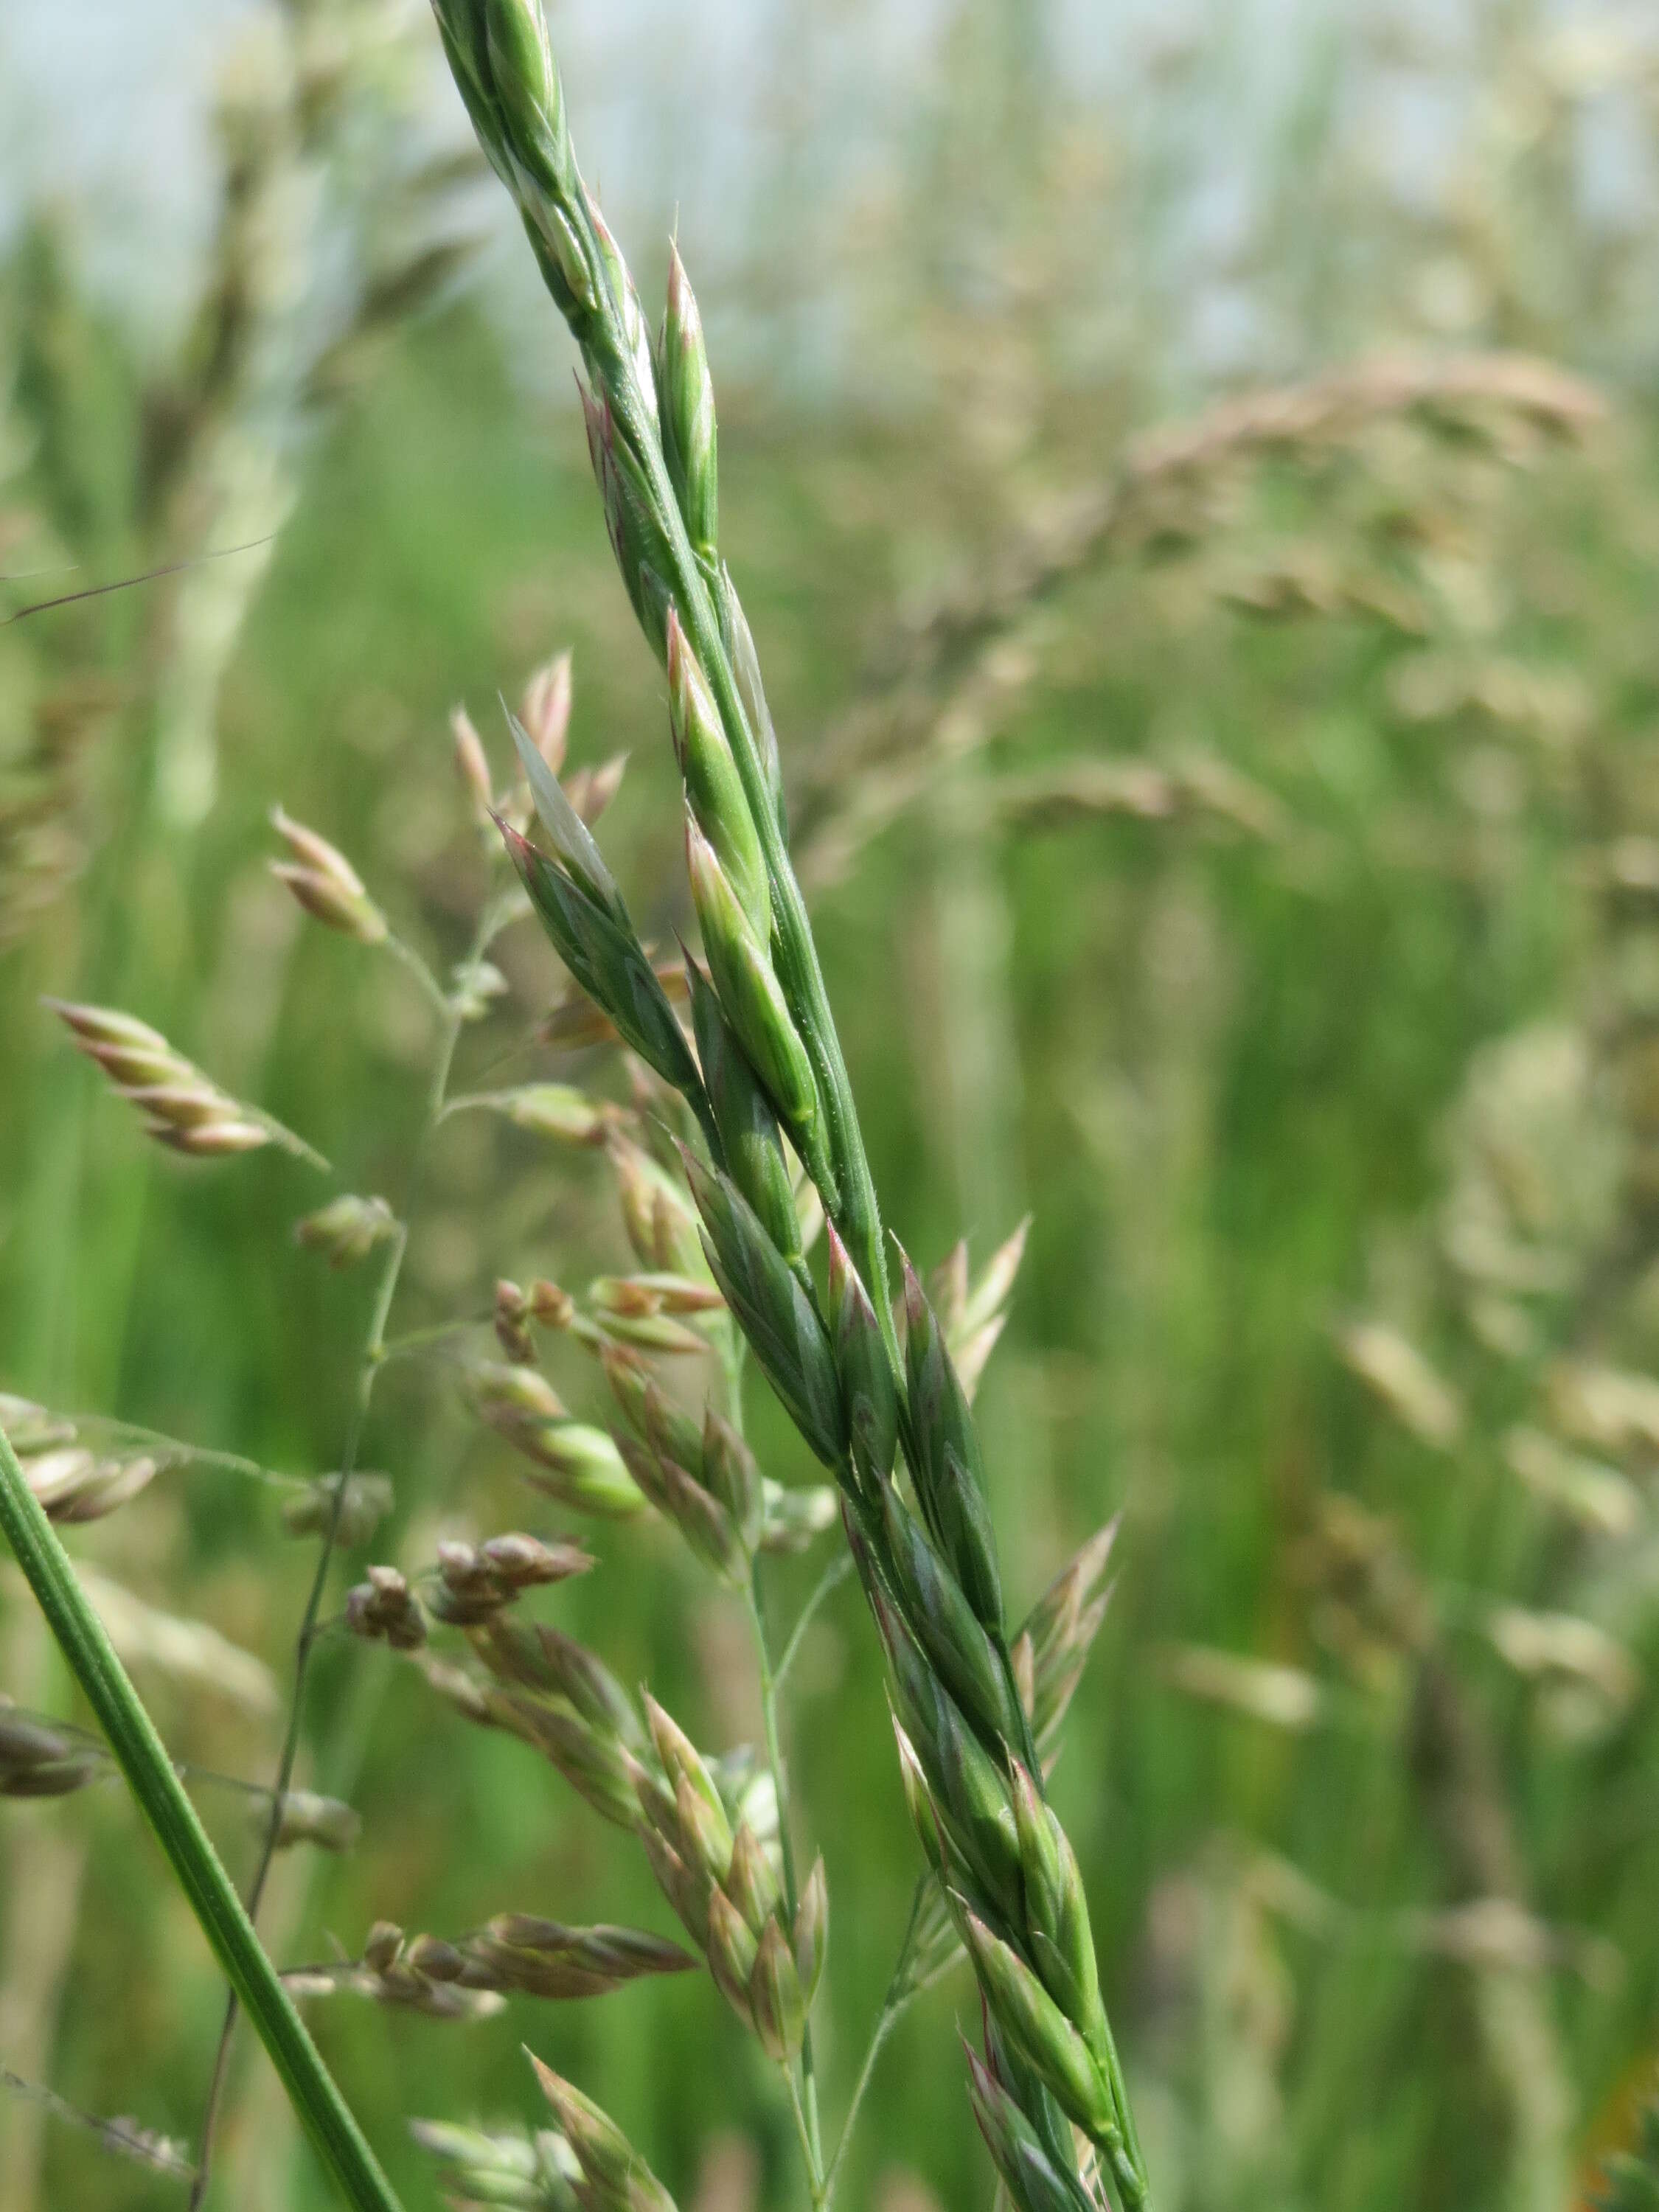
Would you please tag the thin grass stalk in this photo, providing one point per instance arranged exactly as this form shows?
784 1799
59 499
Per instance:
812 2138
138 1751
897 1996
451 1006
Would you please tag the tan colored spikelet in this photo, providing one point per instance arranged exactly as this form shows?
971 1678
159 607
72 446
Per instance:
38 1759
399 1974
309 1818
511 1318
347 1230
545 709
478 1583
75 1485
472 765
188 1651
180 1106
325 884
383 1607
591 790
1283 1697
1403 1379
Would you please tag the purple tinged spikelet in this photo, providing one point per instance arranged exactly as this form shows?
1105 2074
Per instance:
867 1375
325 884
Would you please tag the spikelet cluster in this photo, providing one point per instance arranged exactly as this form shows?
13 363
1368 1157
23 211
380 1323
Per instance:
893 1426
181 1107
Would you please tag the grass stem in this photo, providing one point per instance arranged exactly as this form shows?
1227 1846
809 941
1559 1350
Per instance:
453 1015
130 1734
805 2094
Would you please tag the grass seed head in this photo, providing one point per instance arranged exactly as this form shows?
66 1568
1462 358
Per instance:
613 2177
661 1220
750 1882
751 998
306 1817
325 884
749 1137
73 1485
545 710
731 1954
549 1305
347 1230
867 1375
367 1500
700 1808
947 1473
1038 2030
776 2004
945 1623
37 1760
811 1933
713 788
472 766
511 1317
689 432
733 1473
773 1308
1034 2183
384 1608
180 1106
558 1111
517 1954
531 2173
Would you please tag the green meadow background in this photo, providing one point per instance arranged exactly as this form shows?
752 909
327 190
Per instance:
1272 915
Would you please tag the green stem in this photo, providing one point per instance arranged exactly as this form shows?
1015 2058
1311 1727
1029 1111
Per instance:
121 2137
885 2020
374 1356
175 1452
433 989
138 1751
811 2139
831 1579
806 2134
900 1990
416 1340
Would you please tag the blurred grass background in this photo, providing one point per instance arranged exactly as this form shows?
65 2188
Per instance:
1269 908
